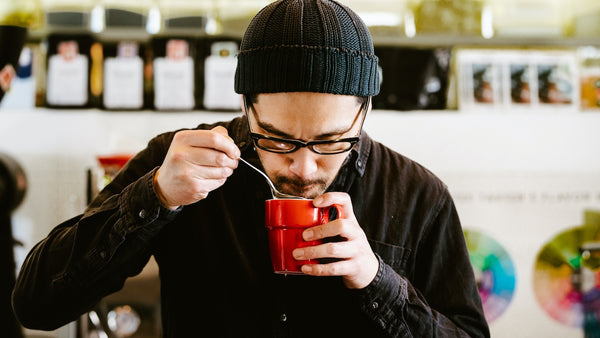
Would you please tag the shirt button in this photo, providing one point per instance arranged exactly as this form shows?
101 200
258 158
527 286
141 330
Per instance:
359 163
242 144
283 317
374 305
142 214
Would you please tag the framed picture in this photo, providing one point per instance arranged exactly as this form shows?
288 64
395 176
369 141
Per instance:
517 79
479 79
557 79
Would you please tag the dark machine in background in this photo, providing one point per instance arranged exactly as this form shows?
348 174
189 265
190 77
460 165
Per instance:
13 184
412 79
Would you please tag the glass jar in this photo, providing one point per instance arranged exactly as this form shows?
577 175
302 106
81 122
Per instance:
586 18
234 15
192 17
383 17
67 13
532 18
454 17
21 13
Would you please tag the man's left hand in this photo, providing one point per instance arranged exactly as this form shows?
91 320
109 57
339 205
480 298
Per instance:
357 263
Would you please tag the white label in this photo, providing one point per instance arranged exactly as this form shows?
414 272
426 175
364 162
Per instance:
174 83
123 83
67 80
219 76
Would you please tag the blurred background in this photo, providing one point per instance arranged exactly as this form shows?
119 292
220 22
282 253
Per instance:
499 98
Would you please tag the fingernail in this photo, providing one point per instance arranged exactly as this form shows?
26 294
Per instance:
318 200
306 268
298 254
308 235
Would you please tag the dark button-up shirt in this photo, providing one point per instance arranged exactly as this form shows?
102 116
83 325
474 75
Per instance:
214 265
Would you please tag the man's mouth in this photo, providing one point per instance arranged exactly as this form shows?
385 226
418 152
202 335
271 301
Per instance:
299 187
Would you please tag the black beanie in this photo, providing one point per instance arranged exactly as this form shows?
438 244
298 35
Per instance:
307 46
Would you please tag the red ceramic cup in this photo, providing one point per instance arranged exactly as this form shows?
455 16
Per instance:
285 220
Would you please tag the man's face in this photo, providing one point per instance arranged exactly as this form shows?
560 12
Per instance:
306 117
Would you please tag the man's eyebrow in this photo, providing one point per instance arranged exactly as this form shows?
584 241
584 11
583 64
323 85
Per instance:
271 129
279 133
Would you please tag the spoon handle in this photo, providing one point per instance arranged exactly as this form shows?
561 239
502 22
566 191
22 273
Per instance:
274 192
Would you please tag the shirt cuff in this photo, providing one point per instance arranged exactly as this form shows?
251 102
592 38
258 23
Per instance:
141 207
385 297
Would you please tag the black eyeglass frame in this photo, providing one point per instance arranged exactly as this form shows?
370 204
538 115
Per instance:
256 137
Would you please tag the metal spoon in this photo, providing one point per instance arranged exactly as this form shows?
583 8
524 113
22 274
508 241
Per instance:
274 191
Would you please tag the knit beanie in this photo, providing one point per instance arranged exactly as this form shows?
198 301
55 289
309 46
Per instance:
307 46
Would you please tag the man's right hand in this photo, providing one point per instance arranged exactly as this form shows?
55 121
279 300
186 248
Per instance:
198 162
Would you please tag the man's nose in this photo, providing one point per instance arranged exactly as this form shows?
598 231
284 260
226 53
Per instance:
303 163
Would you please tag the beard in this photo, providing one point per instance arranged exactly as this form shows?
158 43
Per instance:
302 188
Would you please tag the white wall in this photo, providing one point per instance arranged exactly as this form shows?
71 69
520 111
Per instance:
548 160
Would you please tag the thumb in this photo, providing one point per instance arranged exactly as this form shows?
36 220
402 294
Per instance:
232 150
222 130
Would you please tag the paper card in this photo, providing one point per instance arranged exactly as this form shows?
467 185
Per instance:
68 74
590 88
517 79
557 78
521 82
174 83
174 77
219 76
480 83
123 83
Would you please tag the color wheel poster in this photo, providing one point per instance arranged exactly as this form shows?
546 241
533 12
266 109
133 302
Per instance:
567 277
535 255
494 272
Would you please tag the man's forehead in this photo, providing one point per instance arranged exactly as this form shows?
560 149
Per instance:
305 97
288 122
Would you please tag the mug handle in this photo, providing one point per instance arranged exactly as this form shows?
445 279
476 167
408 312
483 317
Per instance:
325 219
325 213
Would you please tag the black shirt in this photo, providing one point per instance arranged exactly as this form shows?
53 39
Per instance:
214 264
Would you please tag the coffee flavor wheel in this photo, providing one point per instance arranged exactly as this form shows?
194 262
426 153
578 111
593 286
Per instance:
566 278
494 273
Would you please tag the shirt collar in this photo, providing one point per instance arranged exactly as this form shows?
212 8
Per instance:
360 154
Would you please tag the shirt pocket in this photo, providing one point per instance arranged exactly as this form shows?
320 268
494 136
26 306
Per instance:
395 256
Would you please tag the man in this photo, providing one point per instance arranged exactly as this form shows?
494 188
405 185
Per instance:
400 267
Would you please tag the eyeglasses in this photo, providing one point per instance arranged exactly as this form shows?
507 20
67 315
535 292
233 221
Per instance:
322 147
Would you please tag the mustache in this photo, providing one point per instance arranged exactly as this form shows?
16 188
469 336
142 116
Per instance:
296 182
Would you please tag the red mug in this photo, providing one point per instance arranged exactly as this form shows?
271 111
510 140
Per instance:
285 220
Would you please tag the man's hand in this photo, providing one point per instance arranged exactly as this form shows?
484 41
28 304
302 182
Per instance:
358 264
198 162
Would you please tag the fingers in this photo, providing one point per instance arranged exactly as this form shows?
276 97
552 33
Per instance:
346 226
340 268
354 259
208 148
223 131
336 198
208 157
216 139
327 250
197 162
